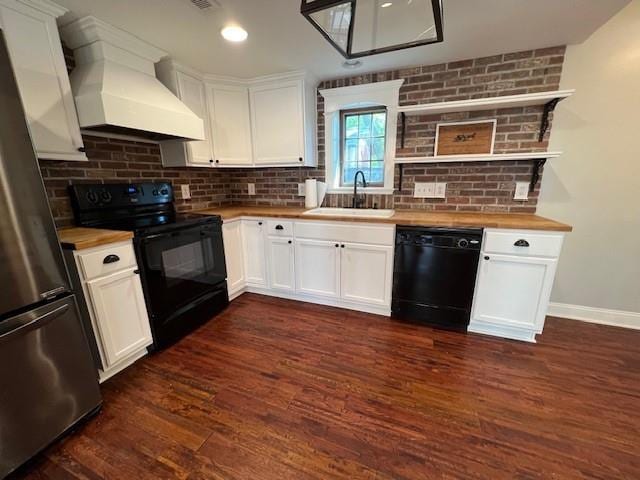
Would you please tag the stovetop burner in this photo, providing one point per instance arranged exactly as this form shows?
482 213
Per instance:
142 208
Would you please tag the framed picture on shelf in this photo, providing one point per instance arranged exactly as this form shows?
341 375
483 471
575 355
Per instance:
465 138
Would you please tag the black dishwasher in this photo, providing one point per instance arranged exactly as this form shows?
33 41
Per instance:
434 275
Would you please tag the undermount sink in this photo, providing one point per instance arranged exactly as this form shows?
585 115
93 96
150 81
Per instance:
351 212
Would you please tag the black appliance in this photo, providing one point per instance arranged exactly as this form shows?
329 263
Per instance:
48 382
434 275
180 256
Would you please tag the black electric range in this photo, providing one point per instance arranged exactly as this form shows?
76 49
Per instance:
180 255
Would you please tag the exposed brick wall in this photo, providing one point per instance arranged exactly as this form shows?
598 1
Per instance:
486 186
112 160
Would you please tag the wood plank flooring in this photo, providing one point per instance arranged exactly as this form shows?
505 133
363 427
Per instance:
276 389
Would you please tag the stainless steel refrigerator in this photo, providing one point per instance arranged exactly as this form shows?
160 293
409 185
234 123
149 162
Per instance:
48 381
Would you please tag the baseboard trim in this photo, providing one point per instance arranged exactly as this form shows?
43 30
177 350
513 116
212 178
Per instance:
602 316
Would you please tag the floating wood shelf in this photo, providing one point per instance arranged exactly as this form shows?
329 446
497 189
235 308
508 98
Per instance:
488 103
500 157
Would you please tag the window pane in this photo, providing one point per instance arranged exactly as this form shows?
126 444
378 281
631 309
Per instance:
351 151
348 173
351 126
379 124
377 152
365 125
377 172
364 149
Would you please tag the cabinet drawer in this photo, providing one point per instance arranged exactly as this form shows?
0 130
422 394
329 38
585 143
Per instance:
527 243
341 232
93 262
279 228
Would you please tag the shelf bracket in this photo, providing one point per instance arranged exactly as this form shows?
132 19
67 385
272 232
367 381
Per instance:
403 123
535 175
549 107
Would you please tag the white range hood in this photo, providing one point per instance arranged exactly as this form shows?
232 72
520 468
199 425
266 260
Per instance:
115 87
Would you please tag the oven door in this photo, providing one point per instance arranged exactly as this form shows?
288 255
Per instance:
180 266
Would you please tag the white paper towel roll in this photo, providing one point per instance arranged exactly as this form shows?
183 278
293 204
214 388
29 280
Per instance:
322 191
310 193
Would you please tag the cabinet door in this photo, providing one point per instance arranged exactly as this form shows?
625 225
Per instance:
281 264
193 95
366 273
230 125
278 123
317 268
121 314
40 70
513 291
254 252
233 255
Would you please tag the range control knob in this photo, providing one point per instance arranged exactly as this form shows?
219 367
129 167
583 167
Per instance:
164 191
154 192
92 196
463 243
105 196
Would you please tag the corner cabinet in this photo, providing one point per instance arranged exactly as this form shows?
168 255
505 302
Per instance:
268 121
107 279
514 282
36 54
234 257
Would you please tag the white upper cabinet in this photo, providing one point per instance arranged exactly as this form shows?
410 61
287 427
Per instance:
230 124
193 95
278 123
38 62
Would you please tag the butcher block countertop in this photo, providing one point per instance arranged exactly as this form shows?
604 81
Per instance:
79 238
517 221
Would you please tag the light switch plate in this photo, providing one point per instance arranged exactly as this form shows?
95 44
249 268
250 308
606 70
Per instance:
301 190
424 190
440 190
522 191
185 192
251 187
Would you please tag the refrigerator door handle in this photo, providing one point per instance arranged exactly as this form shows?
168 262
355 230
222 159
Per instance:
25 323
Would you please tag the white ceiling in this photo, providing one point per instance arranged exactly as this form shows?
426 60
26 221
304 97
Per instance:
281 39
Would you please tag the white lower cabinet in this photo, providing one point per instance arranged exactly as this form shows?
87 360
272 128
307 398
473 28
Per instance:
318 271
514 283
280 252
108 279
364 270
254 252
234 257
123 325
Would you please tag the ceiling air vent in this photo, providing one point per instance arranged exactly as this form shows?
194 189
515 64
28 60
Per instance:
205 4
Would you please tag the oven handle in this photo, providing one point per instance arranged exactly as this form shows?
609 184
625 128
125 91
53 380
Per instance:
176 233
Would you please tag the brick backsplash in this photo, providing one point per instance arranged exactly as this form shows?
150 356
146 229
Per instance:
482 186
113 160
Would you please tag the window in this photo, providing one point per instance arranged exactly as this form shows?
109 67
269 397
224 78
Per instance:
360 129
362 141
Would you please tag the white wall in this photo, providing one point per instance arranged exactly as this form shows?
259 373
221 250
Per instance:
595 185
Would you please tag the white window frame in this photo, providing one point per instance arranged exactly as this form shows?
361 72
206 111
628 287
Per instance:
380 94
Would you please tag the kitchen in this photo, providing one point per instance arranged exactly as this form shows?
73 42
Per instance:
300 261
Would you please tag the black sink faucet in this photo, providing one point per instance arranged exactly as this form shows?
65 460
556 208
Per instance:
358 201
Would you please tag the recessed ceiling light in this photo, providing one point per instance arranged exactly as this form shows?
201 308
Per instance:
352 64
234 33
386 4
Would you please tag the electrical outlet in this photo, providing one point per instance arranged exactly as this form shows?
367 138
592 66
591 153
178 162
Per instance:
185 192
522 191
424 190
440 190
301 190
251 187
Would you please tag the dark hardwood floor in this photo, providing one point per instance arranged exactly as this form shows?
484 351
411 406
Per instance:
275 389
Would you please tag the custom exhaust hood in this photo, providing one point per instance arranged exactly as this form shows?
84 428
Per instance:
115 86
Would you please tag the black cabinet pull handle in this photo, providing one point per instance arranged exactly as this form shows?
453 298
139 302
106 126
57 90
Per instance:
300 159
82 149
337 245
487 258
342 246
217 161
279 227
521 243
259 223
290 242
111 259
211 161
137 272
